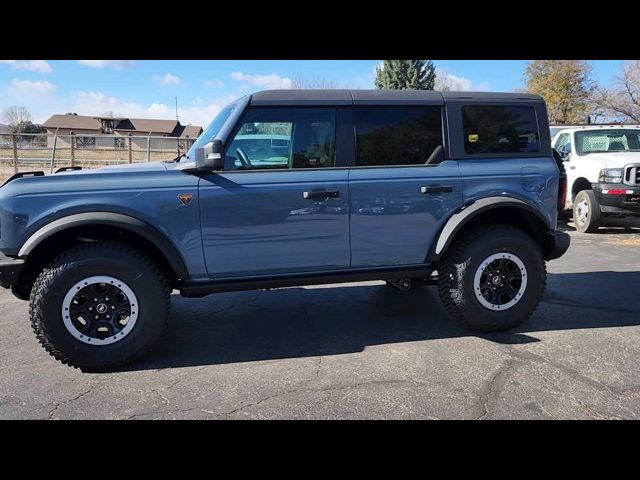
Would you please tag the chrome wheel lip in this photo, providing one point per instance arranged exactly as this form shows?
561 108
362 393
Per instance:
66 304
582 212
477 288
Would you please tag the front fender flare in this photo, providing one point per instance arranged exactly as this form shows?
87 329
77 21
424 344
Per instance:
125 222
461 217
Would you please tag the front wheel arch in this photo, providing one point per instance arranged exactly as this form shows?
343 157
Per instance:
51 240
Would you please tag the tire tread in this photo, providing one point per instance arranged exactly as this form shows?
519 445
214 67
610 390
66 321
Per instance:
55 268
456 260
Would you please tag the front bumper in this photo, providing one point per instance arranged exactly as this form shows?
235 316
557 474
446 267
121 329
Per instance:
556 243
10 269
621 204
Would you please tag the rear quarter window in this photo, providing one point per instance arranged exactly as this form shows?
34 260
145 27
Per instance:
500 129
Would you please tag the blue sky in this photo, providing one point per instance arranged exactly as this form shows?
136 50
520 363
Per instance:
147 88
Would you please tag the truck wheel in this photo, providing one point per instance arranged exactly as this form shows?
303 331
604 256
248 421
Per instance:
492 277
99 305
586 212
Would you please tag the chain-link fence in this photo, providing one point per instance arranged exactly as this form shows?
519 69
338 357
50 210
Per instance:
48 152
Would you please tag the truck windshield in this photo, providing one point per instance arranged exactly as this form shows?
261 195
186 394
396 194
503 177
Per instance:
599 141
212 130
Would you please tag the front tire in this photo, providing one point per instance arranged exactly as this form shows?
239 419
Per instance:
586 212
99 305
492 278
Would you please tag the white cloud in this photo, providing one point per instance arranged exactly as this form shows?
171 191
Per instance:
448 81
94 103
272 80
39 66
167 79
215 83
115 64
20 87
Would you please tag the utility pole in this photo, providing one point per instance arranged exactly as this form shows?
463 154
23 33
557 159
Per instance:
177 108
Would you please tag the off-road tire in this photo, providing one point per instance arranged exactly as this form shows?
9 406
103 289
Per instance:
593 219
460 263
101 258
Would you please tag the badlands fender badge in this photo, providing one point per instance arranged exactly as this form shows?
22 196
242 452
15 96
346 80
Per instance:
185 198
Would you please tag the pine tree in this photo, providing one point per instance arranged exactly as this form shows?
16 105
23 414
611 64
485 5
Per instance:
406 75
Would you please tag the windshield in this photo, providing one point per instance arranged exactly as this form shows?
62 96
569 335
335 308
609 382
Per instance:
212 130
599 141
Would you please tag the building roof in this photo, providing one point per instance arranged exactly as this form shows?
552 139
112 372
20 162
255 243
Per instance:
148 125
191 131
79 122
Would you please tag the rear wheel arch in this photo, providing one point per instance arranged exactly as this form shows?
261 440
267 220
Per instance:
492 210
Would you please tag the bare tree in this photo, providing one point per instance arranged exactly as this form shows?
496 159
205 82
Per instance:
15 115
445 82
300 82
623 98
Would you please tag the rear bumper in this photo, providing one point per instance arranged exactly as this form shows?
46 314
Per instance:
10 269
556 244
620 204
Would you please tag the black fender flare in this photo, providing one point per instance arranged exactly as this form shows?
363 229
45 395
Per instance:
125 222
458 220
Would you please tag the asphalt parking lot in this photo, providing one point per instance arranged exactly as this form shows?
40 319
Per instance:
361 351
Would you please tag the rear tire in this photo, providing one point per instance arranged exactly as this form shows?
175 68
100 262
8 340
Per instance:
586 212
469 267
120 285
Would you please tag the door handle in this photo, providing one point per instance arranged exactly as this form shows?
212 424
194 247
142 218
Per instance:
436 189
321 194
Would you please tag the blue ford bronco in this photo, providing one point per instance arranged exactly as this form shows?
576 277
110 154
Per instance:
285 188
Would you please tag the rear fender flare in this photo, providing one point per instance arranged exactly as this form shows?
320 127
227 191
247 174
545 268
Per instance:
459 219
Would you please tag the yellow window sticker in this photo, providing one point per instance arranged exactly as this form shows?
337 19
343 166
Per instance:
473 137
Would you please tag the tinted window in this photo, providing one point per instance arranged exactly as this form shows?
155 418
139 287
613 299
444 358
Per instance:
396 135
500 129
275 138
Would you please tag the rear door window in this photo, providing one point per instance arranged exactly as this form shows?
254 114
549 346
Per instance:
396 135
500 129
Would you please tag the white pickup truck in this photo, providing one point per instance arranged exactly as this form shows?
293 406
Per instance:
603 172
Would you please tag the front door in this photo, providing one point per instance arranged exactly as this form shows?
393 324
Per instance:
279 206
399 203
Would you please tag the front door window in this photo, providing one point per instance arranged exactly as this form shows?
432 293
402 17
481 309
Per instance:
278 138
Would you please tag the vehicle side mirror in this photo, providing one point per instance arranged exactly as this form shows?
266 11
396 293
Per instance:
565 152
210 157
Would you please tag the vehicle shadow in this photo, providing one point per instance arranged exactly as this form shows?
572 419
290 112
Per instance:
309 322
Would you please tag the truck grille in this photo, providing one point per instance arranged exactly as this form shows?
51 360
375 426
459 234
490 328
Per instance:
632 174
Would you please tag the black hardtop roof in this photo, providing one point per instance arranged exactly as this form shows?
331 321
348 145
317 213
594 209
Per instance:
378 97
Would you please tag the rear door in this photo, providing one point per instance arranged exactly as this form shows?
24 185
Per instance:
398 203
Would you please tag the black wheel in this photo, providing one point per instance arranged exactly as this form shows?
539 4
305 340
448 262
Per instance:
491 278
99 306
586 212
